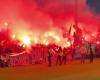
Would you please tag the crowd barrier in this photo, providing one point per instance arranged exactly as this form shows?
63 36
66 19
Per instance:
25 58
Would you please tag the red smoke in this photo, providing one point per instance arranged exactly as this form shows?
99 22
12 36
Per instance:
35 17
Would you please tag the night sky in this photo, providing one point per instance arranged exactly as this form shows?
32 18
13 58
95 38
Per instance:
94 5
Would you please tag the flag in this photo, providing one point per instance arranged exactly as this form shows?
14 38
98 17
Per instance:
70 29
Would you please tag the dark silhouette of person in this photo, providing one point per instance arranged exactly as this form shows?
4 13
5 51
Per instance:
82 53
64 56
49 57
90 53
59 56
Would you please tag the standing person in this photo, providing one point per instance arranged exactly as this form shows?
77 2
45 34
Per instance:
49 57
64 56
90 53
82 52
72 52
1 61
59 56
69 53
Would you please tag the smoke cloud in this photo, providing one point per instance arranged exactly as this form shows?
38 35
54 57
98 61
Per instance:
39 16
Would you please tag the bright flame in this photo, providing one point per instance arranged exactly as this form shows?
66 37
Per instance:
94 34
68 44
46 42
26 40
98 42
13 36
72 31
53 35
6 24
87 37
35 40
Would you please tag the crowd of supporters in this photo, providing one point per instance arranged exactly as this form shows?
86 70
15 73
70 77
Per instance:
50 54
